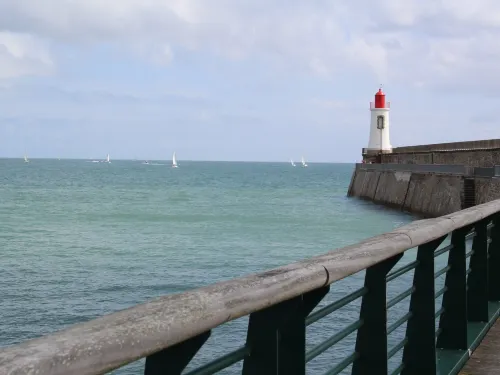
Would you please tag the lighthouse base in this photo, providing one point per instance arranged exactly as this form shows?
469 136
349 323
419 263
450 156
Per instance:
375 151
373 155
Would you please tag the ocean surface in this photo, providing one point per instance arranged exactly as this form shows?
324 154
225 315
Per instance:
82 239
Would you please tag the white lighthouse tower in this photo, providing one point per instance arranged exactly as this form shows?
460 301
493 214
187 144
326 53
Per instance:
379 127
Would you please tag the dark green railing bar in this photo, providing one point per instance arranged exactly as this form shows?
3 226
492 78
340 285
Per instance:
442 250
398 369
327 344
470 236
400 297
343 364
334 306
442 271
439 313
221 363
398 323
441 291
397 348
402 271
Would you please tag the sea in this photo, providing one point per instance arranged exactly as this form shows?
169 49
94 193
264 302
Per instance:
80 239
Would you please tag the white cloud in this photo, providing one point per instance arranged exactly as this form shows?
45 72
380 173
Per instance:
22 54
419 42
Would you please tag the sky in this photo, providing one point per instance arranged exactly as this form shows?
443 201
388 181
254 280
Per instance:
250 80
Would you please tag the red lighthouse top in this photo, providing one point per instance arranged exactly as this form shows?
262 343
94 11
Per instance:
380 99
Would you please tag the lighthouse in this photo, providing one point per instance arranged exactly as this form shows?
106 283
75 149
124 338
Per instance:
379 142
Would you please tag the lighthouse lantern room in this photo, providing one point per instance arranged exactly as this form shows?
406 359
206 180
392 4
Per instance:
379 142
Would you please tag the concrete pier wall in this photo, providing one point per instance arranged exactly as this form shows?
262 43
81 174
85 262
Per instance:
392 188
429 179
472 158
434 194
483 153
428 190
487 189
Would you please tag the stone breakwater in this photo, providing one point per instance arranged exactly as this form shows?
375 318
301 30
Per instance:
428 190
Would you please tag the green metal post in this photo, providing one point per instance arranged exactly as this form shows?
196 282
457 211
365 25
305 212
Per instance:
371 340
477 282
419 355
453 321
277 336
174 360
494 261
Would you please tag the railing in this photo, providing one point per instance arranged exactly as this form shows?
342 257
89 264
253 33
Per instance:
387 105
454 169
485 144
282 302
421 168
487 171
374 152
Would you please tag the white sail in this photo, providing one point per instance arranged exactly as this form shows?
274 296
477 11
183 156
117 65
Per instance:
26 159
174 161
304 162
291 162
107 159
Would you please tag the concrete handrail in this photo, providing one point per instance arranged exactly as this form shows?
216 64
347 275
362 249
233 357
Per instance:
114 340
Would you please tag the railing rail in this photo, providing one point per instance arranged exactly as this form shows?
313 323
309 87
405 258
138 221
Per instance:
387 105
454 169
417 168
170 330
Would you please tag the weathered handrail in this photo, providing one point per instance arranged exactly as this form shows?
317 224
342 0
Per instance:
112 341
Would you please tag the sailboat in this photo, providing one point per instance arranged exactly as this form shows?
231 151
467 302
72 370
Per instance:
174 161
291 162
26 159
107 159
304 162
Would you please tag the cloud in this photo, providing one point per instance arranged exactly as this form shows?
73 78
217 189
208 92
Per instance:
422 43
442 45
22 54
297 34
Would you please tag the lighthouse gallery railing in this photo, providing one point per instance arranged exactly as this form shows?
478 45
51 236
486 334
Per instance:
282 302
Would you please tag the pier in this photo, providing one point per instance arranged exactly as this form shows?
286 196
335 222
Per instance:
484 361
282 303
427 189
430 180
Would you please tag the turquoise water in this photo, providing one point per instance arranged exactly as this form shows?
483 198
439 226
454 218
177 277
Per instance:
83 239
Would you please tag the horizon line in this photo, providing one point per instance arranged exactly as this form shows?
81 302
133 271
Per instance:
185 160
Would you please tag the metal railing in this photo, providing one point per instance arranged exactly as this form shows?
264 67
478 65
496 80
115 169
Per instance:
485 144
387 105
418 168
283 302
455 169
